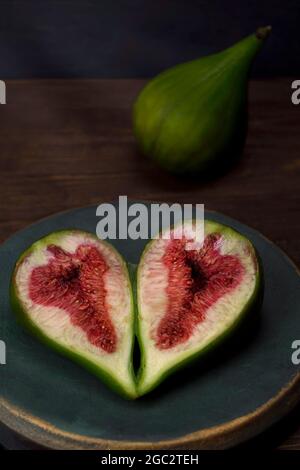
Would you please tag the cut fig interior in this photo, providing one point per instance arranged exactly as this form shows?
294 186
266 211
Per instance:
73 291
75 282
189 298
76 291
196 281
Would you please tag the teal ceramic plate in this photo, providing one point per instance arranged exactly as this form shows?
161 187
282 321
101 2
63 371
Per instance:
235 393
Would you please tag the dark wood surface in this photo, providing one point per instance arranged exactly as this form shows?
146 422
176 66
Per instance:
68 143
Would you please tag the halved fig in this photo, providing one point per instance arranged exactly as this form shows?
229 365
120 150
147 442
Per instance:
73 291
189 299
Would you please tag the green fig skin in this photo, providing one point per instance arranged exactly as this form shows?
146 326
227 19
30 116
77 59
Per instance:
193 117
252 307
25 321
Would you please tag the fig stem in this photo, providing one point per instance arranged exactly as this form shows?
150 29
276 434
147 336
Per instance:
263 32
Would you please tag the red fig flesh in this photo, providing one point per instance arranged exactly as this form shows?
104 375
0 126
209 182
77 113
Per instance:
188 299
73 291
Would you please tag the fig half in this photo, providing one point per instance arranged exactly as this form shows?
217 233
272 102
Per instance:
189 299
73 291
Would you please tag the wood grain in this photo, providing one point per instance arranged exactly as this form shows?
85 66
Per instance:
68 143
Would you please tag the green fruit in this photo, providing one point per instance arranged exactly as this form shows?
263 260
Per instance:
189 300
73 292
192 117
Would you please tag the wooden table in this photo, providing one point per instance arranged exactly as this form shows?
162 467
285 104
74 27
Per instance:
68 143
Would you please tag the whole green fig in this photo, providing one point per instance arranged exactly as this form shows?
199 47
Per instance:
193 117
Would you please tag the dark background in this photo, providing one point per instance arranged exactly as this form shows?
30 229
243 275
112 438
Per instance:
138 38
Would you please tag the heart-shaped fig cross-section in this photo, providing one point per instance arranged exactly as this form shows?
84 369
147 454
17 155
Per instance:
74 292
189 298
